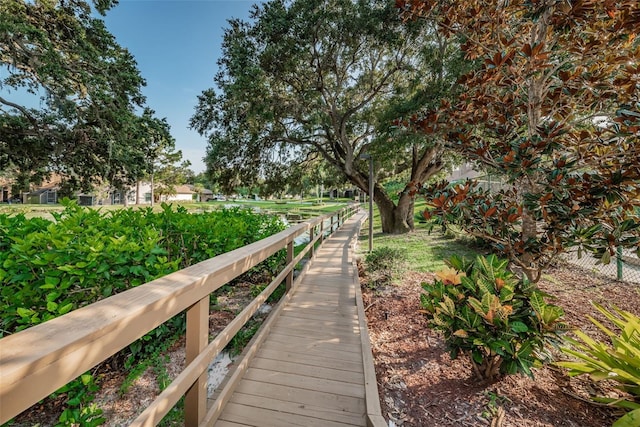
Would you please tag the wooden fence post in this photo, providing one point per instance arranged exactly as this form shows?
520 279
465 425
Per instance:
289 260
195 400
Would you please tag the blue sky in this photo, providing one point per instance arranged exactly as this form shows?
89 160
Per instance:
176 44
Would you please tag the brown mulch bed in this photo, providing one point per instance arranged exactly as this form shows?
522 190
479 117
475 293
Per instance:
420 385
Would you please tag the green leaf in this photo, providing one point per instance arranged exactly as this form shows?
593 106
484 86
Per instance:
519 327
65 309
24 312
631 419
86 378
107 291
52 296
551 313
537 303
51 281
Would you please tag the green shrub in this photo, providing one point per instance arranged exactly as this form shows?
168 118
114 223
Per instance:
384 264
618 361
501 321
276 296
242 338
80 409
49 268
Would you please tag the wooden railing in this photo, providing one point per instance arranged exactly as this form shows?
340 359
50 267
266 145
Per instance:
38 361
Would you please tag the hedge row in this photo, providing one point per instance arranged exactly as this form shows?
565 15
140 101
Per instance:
50 267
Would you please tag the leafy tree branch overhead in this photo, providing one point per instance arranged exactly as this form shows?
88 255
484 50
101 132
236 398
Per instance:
319 77
89 88
555 110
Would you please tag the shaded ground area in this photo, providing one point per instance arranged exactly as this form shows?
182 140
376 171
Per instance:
421 386
122 406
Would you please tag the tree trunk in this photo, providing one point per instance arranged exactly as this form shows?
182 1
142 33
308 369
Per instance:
535 93
396 219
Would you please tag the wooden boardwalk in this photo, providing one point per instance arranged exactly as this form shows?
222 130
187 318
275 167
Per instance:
312 365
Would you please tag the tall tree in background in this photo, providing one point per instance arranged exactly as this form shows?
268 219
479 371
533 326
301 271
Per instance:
151 155
170 172
148 151
88 87
316 76
556 110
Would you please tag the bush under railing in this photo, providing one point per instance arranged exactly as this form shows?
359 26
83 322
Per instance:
38 361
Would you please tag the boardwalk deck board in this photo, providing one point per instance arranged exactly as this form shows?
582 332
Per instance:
309 369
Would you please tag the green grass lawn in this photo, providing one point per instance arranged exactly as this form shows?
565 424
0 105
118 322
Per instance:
426 250
297 206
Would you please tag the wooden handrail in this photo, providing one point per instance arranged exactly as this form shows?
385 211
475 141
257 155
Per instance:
38 361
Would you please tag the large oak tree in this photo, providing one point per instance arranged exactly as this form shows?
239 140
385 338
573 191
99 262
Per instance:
85 89
318 77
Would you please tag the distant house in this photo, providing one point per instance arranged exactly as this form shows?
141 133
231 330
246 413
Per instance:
5 188
143 192
205 194
43 195
104 195
183 194
138 194
85 199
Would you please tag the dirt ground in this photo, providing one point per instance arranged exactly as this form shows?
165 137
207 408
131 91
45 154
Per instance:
121 408
421 386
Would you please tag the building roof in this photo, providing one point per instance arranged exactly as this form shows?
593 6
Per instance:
183 189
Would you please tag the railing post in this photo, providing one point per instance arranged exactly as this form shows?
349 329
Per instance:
321 231
289 260
195 400
313 246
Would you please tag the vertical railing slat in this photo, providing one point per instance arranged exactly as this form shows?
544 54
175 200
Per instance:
289 260
197 337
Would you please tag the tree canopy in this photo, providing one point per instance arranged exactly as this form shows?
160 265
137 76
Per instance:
555 109
85 122
306 78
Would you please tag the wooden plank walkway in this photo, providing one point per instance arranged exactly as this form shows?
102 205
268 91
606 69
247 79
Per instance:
313 368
